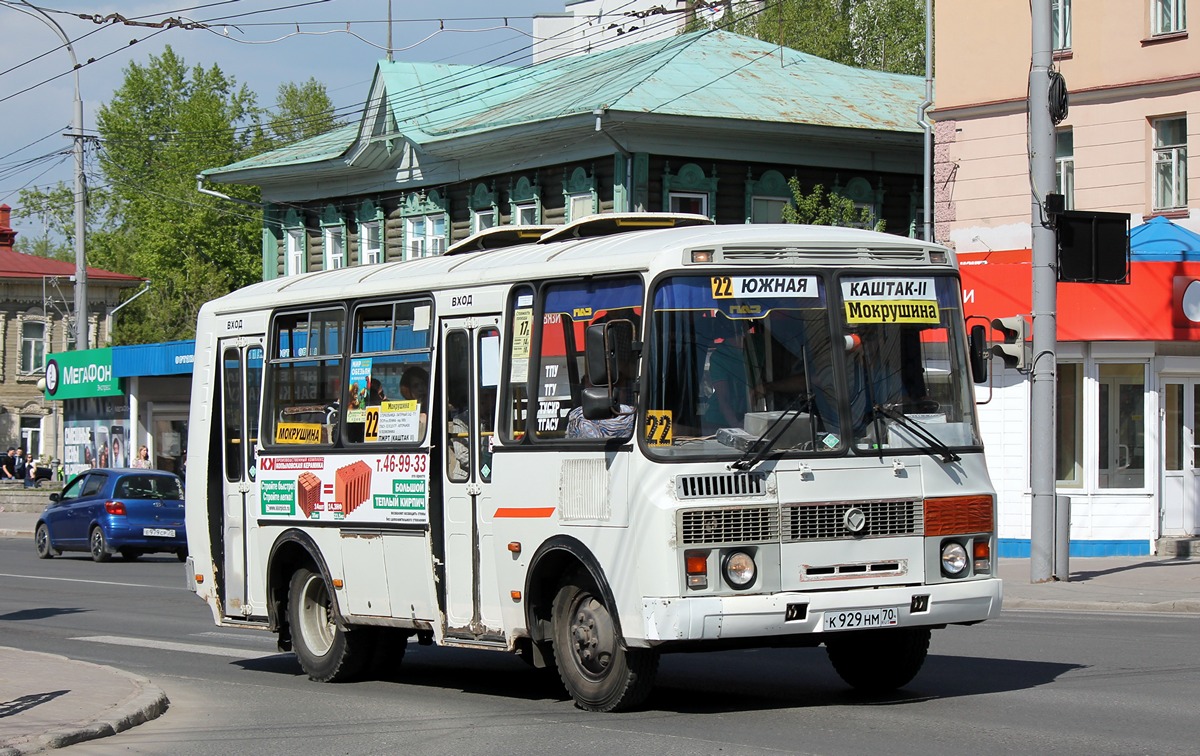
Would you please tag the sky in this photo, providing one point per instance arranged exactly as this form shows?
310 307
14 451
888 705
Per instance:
260 43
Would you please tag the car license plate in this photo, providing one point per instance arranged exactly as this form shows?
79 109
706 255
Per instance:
159 532
885 616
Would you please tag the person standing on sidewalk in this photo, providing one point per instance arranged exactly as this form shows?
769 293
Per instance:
20 466
8 465
142 460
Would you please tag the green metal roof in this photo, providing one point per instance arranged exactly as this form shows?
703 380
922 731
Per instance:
708 74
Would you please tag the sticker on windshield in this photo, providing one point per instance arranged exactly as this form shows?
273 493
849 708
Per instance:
659 428
760 287
892 312
890 289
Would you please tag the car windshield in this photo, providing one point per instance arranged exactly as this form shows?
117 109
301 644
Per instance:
749 366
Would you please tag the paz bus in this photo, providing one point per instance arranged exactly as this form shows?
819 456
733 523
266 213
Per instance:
590 445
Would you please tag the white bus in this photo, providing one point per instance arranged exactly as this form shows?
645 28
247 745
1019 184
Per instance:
636 434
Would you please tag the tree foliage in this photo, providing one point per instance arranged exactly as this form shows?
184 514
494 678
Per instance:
819 208
54 210
165 124
885 35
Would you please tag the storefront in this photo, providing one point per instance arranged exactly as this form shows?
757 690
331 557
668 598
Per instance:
1128 398
117 399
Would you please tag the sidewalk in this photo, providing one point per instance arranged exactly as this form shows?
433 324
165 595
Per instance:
49 701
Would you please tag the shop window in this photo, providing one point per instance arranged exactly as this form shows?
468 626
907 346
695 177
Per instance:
1173 427
1069 427
1122 426
1170 163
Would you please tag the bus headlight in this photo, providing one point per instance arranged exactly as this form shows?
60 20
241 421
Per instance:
954 559
739 569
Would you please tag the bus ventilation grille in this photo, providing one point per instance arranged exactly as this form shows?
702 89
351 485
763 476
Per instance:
824 521
729 525
720 485
759 254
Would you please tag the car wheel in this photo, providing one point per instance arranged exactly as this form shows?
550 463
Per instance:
325 651
599 672
98 545
41 541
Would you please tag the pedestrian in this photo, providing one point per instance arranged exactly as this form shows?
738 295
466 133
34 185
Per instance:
20 465
142 461
8 464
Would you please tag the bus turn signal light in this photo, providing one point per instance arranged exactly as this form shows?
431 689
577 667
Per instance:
696 565
958 515
982 553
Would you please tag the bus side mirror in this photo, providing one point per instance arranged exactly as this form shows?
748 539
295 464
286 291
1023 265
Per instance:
608 348
596 355
977 346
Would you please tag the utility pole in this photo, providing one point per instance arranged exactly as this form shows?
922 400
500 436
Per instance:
1045 301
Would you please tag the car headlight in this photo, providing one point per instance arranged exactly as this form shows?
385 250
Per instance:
954 559
739 569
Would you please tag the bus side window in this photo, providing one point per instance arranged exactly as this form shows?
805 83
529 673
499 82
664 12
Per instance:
304 377
388 388
516 412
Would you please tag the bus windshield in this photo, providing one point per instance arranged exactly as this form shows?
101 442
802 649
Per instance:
745 366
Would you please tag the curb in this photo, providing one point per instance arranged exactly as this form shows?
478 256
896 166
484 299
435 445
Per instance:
1182 606
16 533
147 702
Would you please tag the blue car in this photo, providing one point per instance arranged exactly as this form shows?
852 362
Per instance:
107 511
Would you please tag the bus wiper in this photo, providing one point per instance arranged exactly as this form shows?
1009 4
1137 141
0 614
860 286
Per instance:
936 448
756 451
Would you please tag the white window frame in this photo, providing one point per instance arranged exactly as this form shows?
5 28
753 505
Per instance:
525 214
294 252
1170 164
1168 16
371 240
32 358
580 205
701 196
1064 167
777 217
483 220
1060 26
335 247
422 235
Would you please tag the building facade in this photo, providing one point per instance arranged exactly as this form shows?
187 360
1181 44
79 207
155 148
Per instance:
37 298
1128 356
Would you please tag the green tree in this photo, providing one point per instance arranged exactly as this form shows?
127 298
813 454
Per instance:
302 111
885 35
165 124
819 208
54 210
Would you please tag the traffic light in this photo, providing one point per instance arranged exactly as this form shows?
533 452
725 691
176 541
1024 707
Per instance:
1015 349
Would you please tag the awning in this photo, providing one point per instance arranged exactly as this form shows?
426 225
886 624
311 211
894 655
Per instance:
166 358
1158 239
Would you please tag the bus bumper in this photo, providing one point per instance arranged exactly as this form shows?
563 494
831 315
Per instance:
781 614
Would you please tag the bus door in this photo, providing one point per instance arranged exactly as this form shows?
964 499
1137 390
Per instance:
470 356
241 392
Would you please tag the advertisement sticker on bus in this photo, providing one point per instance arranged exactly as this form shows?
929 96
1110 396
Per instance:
389 488
891 300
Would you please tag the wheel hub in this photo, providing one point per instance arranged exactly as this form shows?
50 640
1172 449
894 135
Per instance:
592 632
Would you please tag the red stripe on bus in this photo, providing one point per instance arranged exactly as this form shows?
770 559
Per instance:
524 511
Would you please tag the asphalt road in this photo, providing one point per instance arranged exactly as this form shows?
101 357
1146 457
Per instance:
1068 683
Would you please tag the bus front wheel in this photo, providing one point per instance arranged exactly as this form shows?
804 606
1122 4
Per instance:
879 661
325 651
599 672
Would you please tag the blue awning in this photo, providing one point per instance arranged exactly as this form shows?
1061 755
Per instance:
167 358
1158 239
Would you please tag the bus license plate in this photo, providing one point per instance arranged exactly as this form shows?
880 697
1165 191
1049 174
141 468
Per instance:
886 616
160 532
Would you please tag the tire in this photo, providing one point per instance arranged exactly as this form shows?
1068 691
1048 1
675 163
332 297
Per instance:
596 668
41 542
98 545
325 652
879 661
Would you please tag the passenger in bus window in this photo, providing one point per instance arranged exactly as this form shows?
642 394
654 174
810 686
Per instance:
458 450
414 386
728 378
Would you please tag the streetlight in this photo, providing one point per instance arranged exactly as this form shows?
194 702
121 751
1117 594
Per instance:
81 303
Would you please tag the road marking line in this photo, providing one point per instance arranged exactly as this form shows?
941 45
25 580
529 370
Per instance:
187 648
93 582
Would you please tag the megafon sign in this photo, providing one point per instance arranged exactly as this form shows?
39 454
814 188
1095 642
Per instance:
81 375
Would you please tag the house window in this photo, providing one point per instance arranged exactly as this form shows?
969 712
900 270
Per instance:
1069 428
33 347
484 219
372 242
687 202
1170 163
1122 426
1064 167
295 251
526 214
1170 16
767 209
580 206
1060 25
426 236
335 248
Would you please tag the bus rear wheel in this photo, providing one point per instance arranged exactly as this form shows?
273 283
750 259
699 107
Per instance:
599 672
325 651
879 661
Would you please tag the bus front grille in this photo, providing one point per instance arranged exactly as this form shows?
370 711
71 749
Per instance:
729 525
827 520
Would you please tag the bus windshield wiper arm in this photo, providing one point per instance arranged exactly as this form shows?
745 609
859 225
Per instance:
935 448
756 451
